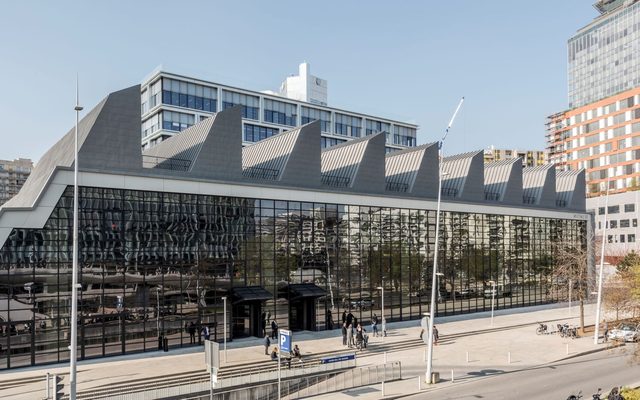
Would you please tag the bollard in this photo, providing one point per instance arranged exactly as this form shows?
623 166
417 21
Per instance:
425 354
467 357
419 383
509 357
451 376
567 348
48 386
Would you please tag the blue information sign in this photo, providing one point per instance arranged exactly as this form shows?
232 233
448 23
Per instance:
334 359
285 340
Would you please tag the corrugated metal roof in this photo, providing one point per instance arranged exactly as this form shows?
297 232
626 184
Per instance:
565 186
270 154
344 159
456 168
403 168
184 146
533 180
496 178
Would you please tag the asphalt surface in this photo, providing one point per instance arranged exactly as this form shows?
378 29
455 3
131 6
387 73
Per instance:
557 380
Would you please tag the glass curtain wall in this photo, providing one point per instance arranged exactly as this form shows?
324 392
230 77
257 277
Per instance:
157 264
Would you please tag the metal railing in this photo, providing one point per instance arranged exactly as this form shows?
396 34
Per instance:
314 385
335 180
174 164
268 174
397 186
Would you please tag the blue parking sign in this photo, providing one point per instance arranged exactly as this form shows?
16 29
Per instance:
285 340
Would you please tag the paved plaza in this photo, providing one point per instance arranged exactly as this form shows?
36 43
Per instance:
470 347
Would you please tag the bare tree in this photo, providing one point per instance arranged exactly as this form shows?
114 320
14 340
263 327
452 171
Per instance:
616 295
571 268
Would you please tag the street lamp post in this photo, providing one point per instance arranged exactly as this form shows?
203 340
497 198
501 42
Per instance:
493 298
435 253
74 280
383 320
224 301
596 333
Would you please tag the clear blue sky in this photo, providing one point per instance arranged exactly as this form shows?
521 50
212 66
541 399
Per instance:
409 60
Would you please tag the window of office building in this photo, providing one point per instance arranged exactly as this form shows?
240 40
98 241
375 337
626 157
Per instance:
175 121
348 125
613 224
629 207
328 142
189 95
308 114
376 126
250 104
255 133
151 125
624 223
278 112
404 136
614 209
631 238
154 97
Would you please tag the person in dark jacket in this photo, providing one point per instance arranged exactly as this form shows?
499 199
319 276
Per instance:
267 343
274 329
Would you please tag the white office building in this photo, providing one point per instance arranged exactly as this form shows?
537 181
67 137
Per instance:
172 103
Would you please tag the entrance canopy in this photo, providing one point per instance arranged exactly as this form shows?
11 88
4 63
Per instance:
246 294
300 291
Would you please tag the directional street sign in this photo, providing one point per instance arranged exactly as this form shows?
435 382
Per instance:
285 340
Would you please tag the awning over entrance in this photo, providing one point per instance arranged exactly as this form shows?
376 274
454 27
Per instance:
245 294
299 291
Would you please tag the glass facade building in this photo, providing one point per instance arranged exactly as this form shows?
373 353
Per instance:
157 264
602 57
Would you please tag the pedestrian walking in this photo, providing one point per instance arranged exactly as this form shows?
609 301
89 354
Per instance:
267 343
606 331
421 333
274 329
205 332
350 333
329 320
192 333
344 317
374 325
384 326
435 335
344 333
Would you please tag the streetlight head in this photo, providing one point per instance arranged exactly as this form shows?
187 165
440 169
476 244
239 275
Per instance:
78 108
224 297
439 274
379 288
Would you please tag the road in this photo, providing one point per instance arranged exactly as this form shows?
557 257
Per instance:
556 380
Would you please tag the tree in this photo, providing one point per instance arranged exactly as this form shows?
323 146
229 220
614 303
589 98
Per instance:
616 295
631 259
571 265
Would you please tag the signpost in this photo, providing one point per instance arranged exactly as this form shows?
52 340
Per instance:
212 359
285 345
335 359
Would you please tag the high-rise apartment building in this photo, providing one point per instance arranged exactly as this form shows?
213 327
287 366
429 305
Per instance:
172 103
601 129
13 174
530 158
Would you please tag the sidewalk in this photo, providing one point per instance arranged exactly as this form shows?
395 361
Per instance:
488 350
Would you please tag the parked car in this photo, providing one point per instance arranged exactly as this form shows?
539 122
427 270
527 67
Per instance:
362 304
625 332
497 291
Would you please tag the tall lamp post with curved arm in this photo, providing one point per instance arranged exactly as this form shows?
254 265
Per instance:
435 253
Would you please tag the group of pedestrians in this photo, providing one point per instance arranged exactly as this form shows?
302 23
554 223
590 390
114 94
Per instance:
436 335
355 335
295 353
264 321
193 328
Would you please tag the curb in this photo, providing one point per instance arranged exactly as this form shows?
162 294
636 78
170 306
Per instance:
584 353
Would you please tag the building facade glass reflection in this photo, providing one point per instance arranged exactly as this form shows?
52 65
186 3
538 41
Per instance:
157 264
